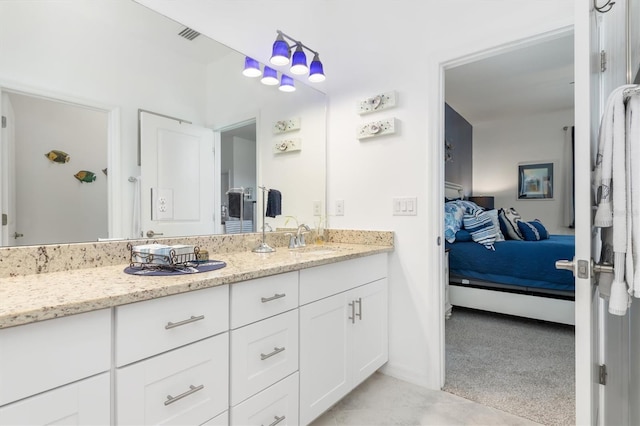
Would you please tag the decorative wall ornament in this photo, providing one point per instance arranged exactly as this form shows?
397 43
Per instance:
85 176
287 145
378 102
448 151
283 126
58 156
377 128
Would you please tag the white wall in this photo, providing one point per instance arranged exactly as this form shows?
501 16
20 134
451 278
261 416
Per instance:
368 47
52 205
498 147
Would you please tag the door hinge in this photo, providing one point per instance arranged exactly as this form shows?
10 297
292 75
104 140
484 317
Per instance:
4 122
603 61
5 219
602 379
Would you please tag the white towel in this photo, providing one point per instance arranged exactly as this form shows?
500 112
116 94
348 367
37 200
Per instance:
136 220
611 179
633 145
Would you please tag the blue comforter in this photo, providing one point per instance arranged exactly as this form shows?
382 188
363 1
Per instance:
523 263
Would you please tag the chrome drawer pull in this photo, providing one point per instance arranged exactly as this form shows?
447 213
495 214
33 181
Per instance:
359 302
274 297
277 420
192 389
276 351
183 322
353 312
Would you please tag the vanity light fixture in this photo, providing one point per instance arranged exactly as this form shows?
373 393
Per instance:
281 54
251 68
286 84
269 76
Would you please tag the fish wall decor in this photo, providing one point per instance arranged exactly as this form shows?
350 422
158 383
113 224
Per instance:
58 156
85 176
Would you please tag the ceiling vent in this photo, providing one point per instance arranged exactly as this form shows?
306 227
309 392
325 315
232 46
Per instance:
188 33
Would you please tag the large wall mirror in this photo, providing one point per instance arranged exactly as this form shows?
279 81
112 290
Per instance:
74 75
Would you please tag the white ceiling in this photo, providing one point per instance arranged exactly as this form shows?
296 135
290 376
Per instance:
527 80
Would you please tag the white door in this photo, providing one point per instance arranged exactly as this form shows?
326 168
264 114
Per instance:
177 170
7 173
586 130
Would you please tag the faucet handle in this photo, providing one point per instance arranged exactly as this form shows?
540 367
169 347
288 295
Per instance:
293 240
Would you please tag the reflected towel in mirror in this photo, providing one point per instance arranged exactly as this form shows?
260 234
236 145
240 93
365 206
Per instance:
234 204
274 203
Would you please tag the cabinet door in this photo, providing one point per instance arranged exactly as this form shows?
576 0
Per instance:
276 405
370 349
263 353
188 385
324 329
86 402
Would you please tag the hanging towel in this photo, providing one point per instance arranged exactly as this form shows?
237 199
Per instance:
234 204
274 203
633 219
612 181
136 220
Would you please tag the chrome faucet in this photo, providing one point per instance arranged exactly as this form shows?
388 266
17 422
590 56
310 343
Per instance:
297 240
302 229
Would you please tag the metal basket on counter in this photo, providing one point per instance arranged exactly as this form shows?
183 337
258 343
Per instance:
166 258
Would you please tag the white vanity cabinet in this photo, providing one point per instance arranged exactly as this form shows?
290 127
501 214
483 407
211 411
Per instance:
343 330
47 368
172 358
264 351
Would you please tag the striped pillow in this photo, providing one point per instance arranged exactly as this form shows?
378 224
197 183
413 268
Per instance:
480 226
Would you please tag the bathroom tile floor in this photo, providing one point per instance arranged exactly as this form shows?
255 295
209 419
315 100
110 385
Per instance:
384 400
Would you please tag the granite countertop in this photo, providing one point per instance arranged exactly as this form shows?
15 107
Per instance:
37 297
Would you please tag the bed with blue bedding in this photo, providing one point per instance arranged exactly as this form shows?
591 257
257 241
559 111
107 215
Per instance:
501 263
525 266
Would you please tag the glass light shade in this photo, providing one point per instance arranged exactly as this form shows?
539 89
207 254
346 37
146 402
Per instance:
270 76
251 68
286 84
299 62
280 53
316 72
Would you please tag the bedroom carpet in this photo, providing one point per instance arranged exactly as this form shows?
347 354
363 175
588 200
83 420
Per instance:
520 366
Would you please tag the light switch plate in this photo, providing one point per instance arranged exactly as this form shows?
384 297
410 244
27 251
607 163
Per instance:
405 206
284 126
287 145
377 103
377 128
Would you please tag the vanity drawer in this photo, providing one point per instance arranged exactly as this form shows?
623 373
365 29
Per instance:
184 386
87 402
148 328
261 298
43 355
263 353
326 280
278 403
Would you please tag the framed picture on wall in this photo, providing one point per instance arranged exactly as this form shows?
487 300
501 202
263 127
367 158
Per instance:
535 181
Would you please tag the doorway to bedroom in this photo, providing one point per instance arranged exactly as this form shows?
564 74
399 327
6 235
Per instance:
504 113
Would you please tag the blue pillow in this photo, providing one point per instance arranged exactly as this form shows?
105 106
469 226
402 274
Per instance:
533 231
452 220
463 236
480 226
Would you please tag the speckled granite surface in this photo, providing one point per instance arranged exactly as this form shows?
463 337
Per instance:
40 283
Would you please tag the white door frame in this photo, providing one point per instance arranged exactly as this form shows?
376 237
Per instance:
114 178
436 188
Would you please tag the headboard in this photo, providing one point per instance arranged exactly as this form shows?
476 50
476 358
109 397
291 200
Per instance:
453 190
